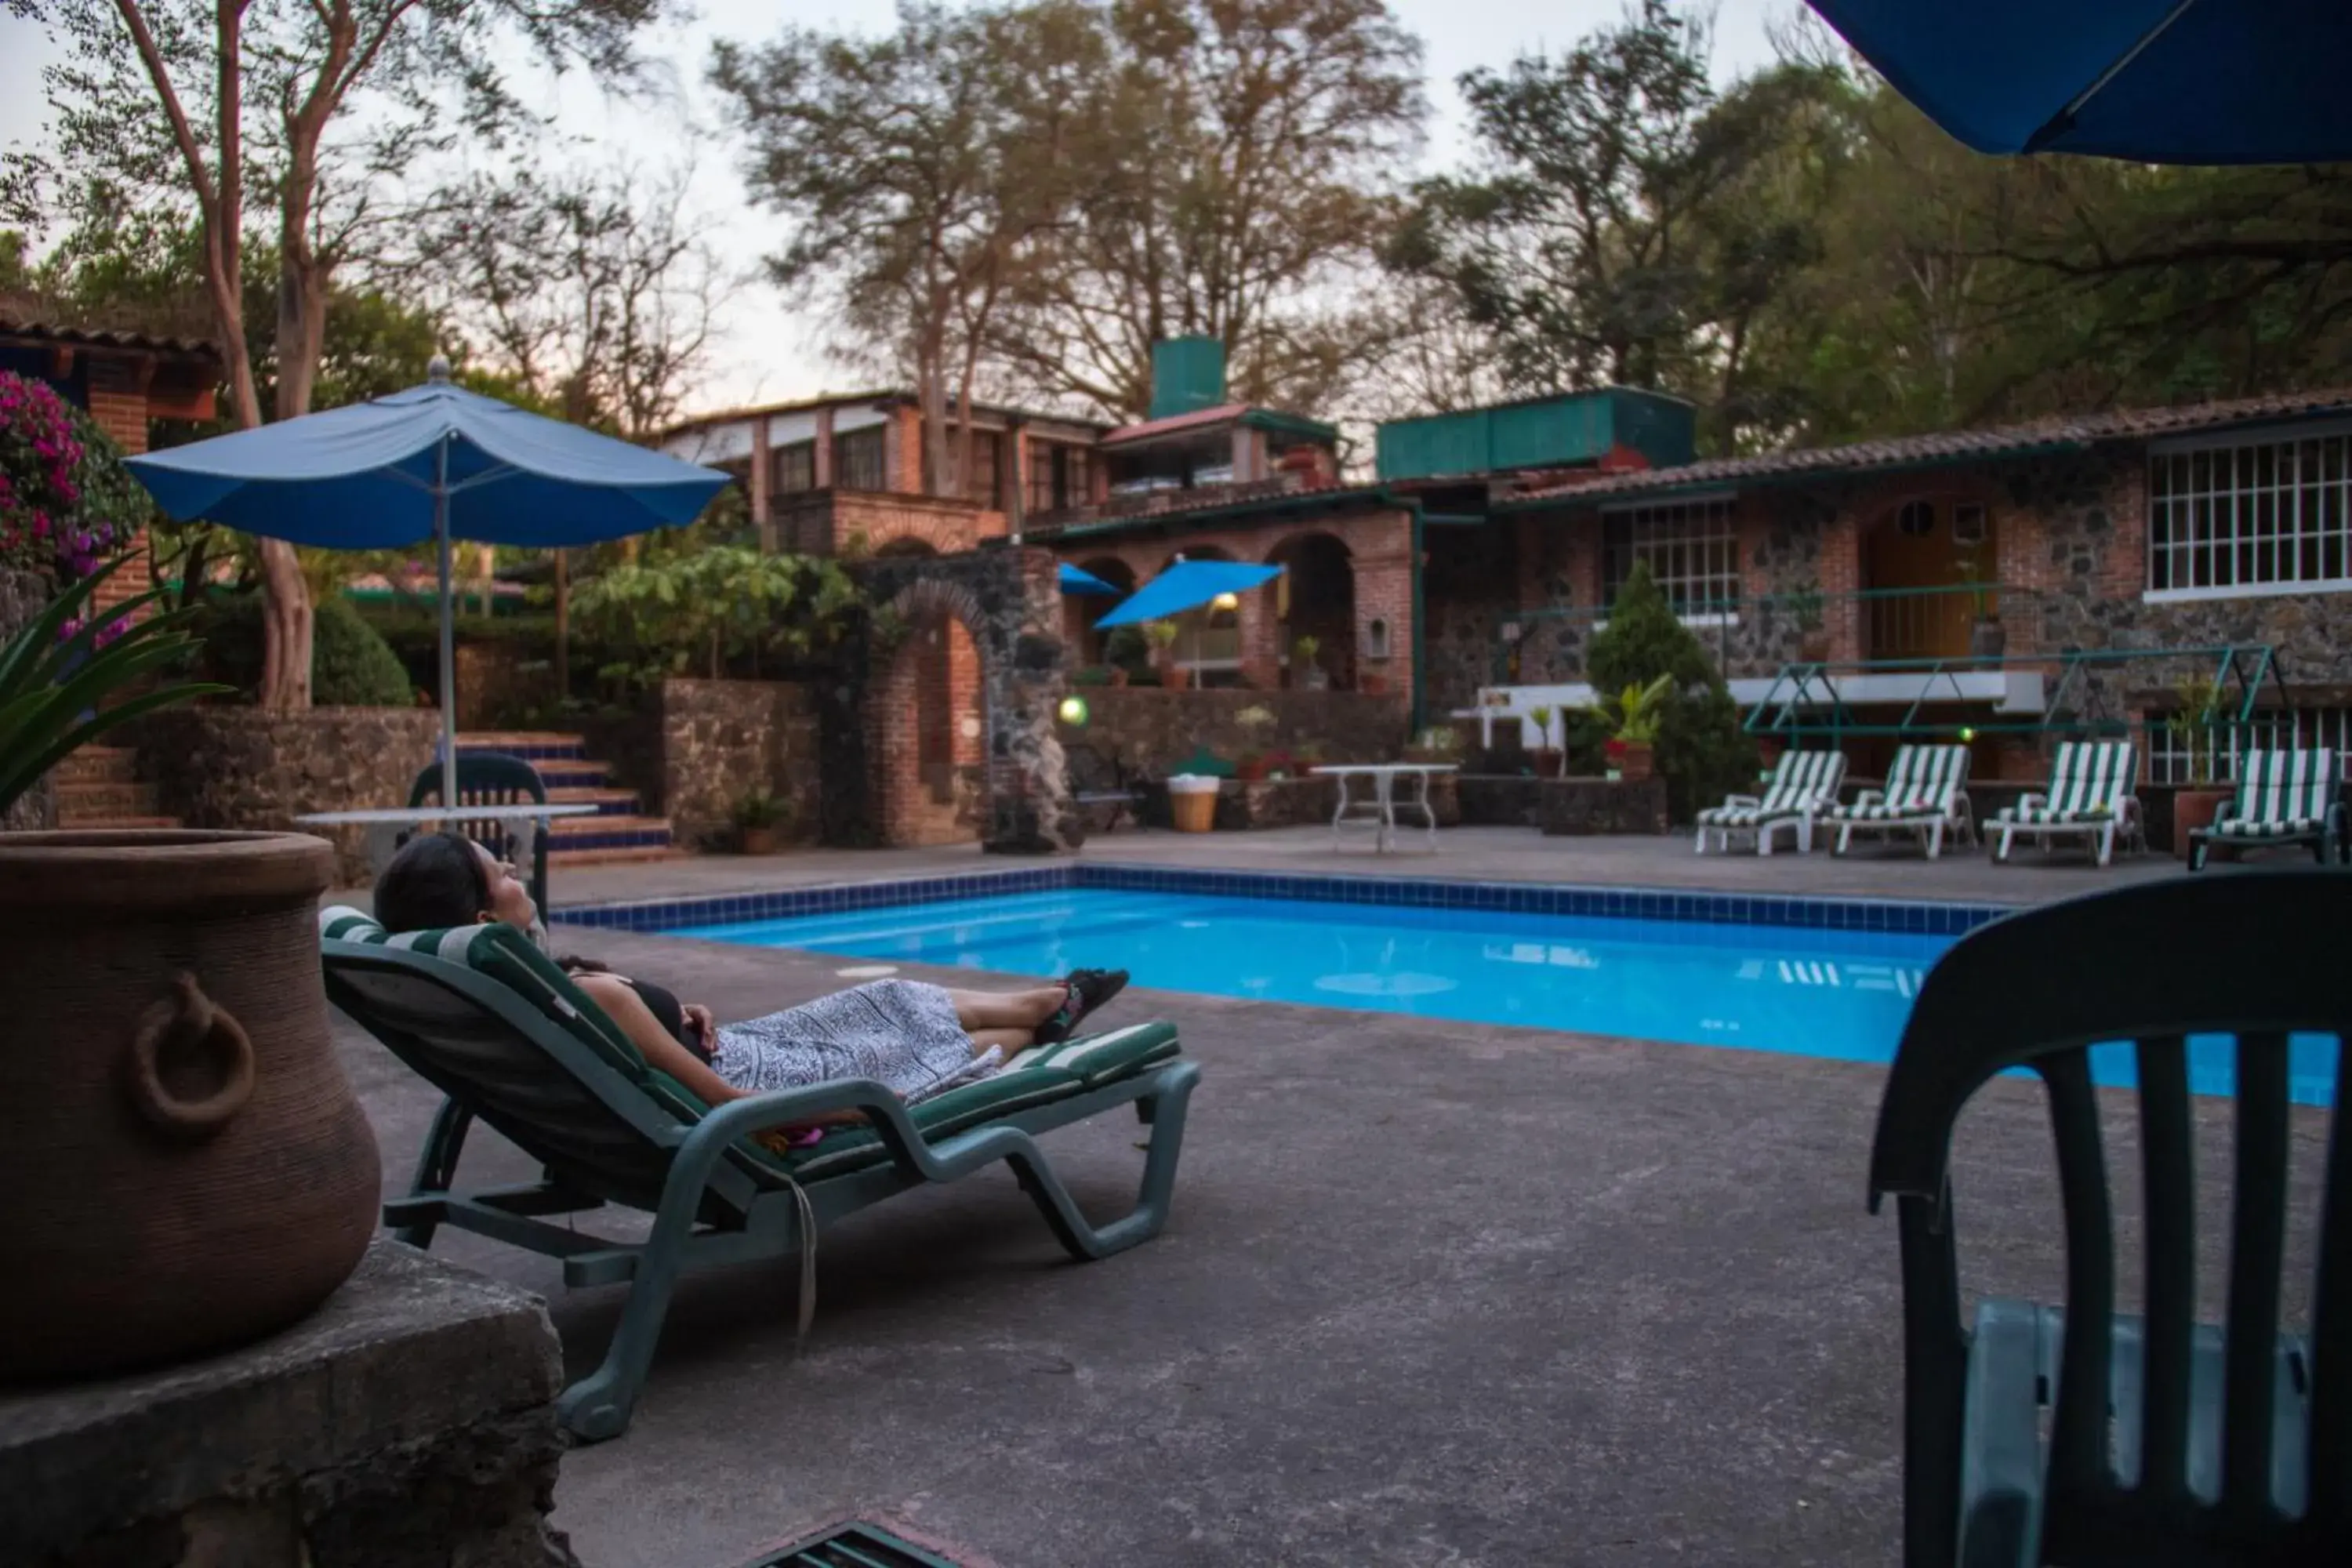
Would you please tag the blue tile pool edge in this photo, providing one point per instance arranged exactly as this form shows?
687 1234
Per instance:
1815 912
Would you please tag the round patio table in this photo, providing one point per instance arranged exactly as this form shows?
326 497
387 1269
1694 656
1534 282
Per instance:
1380 812
387 825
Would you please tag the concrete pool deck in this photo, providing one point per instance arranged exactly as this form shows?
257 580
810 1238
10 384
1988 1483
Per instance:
1432 1294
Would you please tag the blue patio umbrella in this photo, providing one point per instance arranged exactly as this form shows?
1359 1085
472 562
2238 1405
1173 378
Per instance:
2156 81
1076 580
1187 585
434 462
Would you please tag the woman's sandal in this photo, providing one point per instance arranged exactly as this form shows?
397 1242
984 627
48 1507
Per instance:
1089 990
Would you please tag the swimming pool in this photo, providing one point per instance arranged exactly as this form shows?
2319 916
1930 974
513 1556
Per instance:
1816 989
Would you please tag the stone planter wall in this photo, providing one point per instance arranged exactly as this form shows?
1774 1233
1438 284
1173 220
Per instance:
1578 807
409 1421
23 596
233 766
720 739
1147 729
1505 801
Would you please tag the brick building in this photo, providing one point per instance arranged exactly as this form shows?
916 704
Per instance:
125 380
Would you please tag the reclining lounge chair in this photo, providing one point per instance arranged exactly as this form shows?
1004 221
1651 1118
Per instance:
495 1025
2284 797
1804 786
2090 797
1926 792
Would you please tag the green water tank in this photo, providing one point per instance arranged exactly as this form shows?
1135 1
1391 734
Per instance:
1542 433
1188 374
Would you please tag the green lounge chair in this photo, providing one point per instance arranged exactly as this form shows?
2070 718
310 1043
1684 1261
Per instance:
488 1020
1926 792
2089 797
2284 797
493 778
1804 787
2041 1434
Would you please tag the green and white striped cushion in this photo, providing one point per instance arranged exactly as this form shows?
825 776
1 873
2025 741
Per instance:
2283 792
2087 784
1922 782
1801 782
1096 1059
502 953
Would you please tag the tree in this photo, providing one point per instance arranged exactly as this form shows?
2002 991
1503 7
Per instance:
918 169
1238 163
150 106
1701 751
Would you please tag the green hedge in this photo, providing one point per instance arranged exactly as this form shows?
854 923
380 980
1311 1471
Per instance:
351 664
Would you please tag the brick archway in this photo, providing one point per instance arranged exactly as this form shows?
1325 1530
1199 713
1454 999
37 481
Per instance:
1005 605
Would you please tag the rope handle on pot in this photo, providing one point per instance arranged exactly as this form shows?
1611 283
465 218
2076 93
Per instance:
185 1024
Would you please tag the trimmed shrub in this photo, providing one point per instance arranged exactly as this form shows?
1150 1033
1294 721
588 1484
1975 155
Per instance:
351 664
1701 751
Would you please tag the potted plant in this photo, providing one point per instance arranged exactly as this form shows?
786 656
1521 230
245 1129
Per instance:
1311 675
1163 635
1633 716
1255 720
761 820
182 968
1547 756
1128 653
2195 720
1812 636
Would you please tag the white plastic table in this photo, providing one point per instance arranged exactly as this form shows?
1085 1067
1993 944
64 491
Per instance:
385 824
1380 812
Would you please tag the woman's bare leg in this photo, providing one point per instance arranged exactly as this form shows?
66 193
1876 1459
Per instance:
1012 1042
1022 1010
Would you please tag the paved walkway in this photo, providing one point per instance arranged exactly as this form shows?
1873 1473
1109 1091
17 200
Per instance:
1465 854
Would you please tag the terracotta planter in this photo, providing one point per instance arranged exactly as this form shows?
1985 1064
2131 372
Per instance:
759 840
1175 678
186 1167
1632 759
1813 646
1550 763
1250 770
2193 809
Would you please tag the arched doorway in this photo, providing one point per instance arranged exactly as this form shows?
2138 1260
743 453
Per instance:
904 546
1081 611
1917 561
931 751
1315 597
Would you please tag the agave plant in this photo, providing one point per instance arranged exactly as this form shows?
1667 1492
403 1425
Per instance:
54 673
1635 713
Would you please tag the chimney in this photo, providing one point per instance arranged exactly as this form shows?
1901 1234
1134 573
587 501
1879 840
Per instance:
1188 374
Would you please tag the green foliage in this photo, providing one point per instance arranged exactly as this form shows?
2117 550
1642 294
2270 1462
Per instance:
2200 721
1700 750
762 809
58 674
351 665
1635 713
722 609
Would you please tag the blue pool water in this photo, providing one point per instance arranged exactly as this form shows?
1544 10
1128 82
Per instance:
1820 993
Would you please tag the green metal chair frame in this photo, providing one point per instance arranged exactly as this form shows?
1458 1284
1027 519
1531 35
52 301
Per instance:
715 1197
493 778
2231 1446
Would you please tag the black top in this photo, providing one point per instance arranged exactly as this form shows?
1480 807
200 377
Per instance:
670 1015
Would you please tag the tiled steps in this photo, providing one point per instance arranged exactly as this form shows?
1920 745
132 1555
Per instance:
98 787
617 830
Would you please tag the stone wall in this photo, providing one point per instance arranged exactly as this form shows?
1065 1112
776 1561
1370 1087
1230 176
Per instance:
23 596
218 765
410 1421
1579 806
720 739
1146 728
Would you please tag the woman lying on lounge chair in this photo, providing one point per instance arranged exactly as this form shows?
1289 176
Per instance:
915 1038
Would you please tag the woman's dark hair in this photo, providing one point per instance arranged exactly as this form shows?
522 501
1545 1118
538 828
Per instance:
435 881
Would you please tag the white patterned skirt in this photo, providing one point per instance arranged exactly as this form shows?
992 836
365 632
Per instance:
901 1033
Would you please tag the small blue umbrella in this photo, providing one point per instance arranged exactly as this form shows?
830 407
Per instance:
434 462
1077 581
1186 585
2156 81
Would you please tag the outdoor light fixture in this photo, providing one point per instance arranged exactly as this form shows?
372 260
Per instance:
1226 602
1074 710
1968 733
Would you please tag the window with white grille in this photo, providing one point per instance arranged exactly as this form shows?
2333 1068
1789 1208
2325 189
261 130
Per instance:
2292 729
2252 517
1692 549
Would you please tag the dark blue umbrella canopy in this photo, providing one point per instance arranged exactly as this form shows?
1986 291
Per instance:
2155 81
1076 580
366 476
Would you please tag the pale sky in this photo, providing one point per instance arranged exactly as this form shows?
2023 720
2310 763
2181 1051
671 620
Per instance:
764 350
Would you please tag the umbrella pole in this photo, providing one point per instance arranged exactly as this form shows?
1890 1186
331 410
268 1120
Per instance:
448 631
